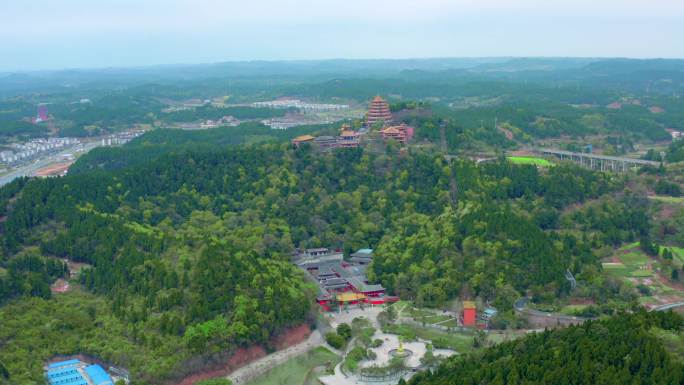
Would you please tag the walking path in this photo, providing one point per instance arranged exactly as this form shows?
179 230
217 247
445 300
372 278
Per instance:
445 321
256 368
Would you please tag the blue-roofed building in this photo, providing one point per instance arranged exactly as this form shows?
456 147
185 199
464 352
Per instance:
489 313
66 373
98 376
63 363
76 372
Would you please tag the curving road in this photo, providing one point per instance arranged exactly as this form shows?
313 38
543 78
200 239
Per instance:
521 307
668 306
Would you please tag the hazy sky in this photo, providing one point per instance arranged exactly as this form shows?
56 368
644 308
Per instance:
48 34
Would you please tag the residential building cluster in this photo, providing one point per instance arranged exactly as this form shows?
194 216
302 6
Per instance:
34 148
300 105
121 137
224 121
676 135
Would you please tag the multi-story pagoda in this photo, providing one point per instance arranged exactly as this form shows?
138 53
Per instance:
378 111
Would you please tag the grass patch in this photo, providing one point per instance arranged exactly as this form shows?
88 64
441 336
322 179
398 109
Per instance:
633 263
634 258
458 341
296 371
616 269
641 273
437 318
432 318
530 160
450 324
573 309
418 313
629 246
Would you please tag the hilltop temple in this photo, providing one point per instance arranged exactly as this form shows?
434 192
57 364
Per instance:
378 111
348 138
401 133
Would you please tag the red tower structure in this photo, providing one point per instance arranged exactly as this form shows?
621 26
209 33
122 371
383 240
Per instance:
378 111
469 313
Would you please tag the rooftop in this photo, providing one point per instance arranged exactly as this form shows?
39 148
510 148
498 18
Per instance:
76 372
98 376
349 297
303 138
63 363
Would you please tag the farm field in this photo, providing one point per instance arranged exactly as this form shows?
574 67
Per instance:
636 268
302 370
634 262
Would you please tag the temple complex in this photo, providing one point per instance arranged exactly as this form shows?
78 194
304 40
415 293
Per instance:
378 111
401 133
348 138
341 283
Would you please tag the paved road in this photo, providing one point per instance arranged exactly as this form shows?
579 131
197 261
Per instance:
668 306
256 368
521 306
31 168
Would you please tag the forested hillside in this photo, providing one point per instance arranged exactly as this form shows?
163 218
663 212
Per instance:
626 349
159 142
186 253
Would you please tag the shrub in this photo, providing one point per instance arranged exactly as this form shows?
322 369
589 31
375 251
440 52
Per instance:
643 289
335 340
345 331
